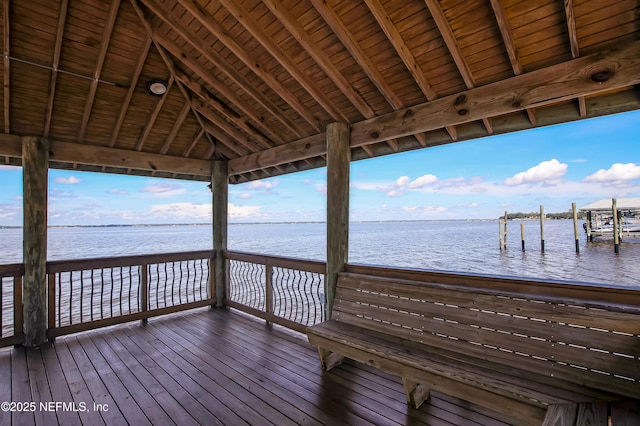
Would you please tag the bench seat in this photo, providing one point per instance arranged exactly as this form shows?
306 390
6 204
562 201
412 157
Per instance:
403 327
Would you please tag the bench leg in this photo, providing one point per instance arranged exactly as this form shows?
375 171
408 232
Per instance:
329 359
561 415
416 393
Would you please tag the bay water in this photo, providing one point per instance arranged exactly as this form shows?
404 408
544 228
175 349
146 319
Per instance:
460 246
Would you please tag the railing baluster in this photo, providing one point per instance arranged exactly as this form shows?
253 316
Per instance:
268 297
51 297
144 281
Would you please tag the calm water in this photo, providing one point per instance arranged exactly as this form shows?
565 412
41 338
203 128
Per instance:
442 245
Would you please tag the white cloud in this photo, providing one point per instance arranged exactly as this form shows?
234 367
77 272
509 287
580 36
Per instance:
163 189
618 172
423 181
71 180
243 212
245 196
8 167
547 171
321 188
266 185
402 181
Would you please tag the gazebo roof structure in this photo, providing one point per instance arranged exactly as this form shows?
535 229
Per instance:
256 82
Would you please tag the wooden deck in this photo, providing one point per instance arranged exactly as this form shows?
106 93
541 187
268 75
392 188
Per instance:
208 367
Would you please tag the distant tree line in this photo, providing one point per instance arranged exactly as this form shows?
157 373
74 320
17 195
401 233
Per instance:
536 215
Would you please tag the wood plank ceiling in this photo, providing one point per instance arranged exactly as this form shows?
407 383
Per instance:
256 82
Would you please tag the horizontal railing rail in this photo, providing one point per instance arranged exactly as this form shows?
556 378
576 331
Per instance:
91 293
11 332
285 291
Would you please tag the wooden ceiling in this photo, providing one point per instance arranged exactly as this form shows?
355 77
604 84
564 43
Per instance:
256 82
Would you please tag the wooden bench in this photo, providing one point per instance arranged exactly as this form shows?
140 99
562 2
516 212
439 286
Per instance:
536 359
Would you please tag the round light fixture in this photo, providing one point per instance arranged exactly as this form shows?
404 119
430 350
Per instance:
157 87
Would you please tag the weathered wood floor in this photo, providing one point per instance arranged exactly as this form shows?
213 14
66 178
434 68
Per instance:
208 367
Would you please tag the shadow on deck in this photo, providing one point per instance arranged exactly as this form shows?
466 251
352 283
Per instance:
208 367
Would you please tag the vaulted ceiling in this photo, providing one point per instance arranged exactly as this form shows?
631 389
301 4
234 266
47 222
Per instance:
256 82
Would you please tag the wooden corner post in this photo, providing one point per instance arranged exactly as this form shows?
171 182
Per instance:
35 164
220 198
338 165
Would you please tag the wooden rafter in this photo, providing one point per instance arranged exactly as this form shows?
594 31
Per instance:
575 48
7 65
102 53
226 127
394 36
172 70
507 35
194 142
62 18
454 49
361 57
256 30
211 80
228 141
176 128
260 70
510 45
571 28
313 50
153 116
220 63
142 57
537 88
223 110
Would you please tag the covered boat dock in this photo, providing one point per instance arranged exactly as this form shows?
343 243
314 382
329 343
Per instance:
227 92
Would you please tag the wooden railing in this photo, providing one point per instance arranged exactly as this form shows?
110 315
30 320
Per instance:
285 291
91 293
11 299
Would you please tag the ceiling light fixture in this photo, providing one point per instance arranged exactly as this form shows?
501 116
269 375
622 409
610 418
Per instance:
156 87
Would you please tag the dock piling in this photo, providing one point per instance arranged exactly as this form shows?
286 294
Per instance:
575 226
542 228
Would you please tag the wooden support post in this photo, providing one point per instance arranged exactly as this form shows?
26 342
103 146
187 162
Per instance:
338 165
575 227
35 162
220 188
542 228
616 230
522 235
588 227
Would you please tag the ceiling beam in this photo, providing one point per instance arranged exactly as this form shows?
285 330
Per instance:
571 28
69 152
7 65
102 53
456 52
133 84
226 127
302 149
507 35
315 52
599 72
357 52
62 18
403 51
151 120
567 80
274 49
214 58
194 142
250 61
176 127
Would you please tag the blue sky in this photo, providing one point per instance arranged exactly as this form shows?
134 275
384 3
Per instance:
554 166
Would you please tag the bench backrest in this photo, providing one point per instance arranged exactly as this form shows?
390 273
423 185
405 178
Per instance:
579 341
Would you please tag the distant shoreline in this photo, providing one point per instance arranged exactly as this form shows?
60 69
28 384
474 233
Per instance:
140 225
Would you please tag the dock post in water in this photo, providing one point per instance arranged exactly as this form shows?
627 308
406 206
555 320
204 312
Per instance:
35 164
575 226
522 234
616 230
542 228
502 231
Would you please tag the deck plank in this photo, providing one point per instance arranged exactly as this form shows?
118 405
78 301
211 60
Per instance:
212 366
